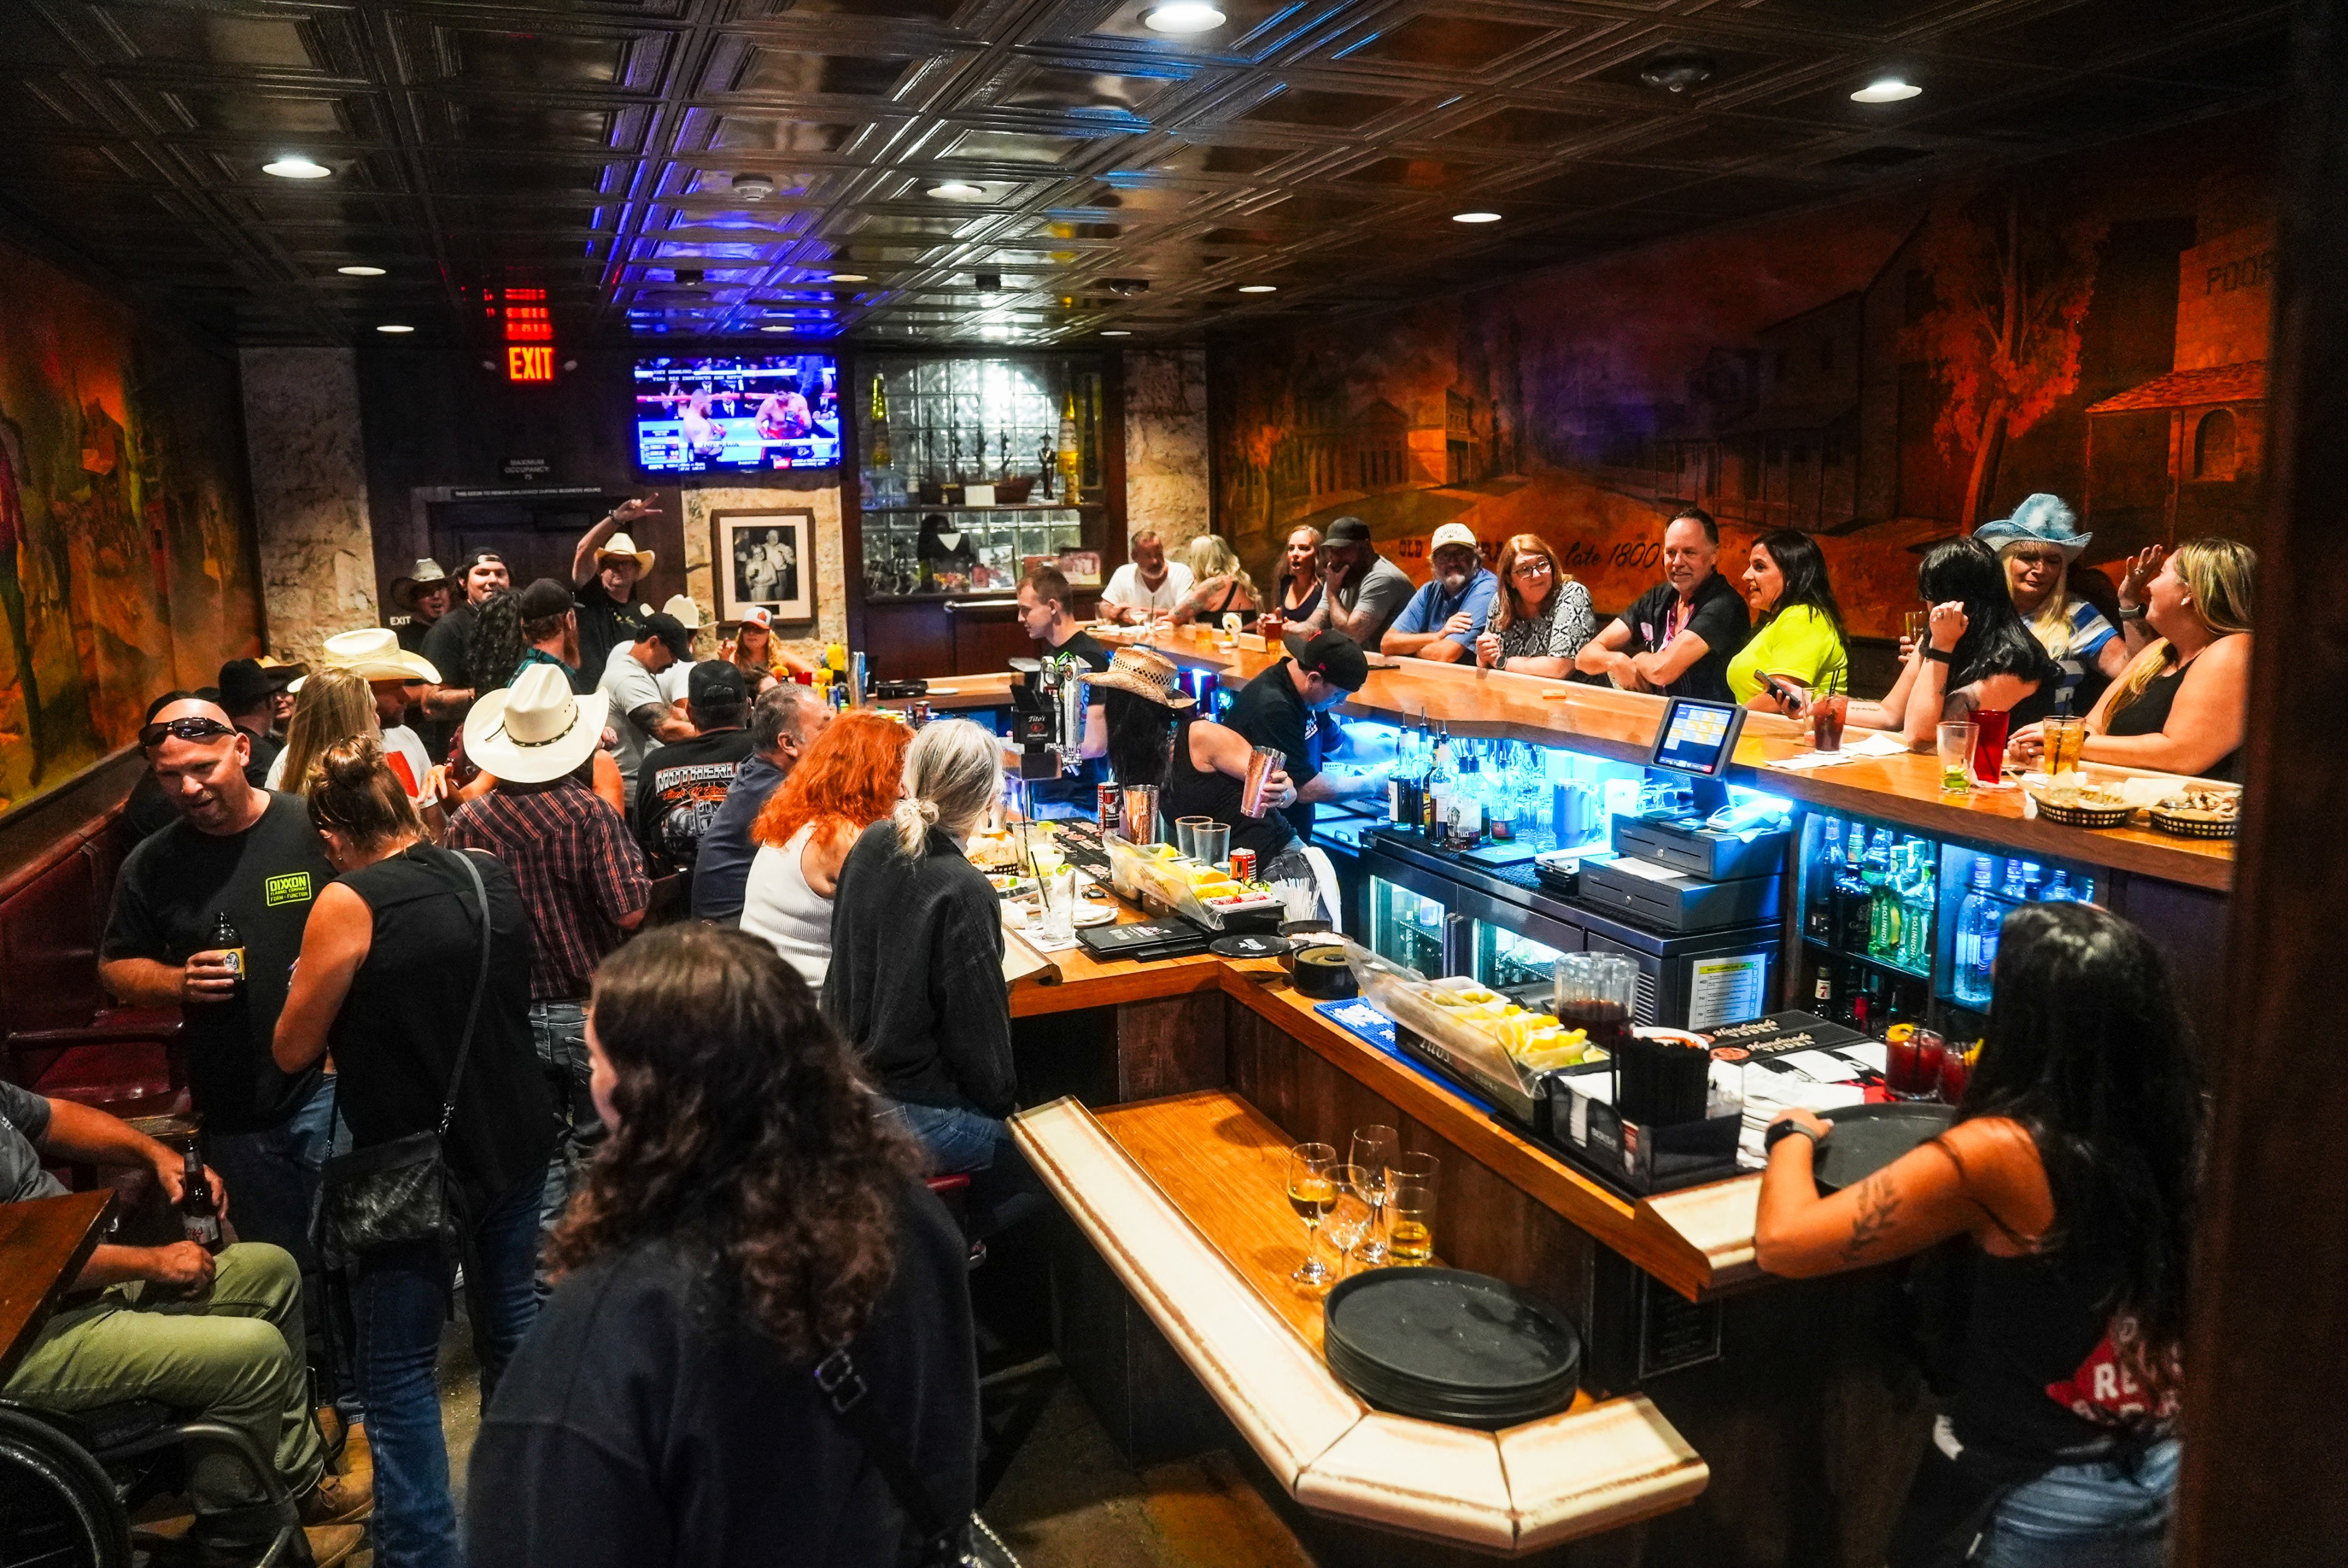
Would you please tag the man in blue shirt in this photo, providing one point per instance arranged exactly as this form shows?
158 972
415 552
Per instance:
1443 619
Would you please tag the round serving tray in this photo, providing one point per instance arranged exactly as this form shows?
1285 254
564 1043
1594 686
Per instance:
1444 1345
1867 1137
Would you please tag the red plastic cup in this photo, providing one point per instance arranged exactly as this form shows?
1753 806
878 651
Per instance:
1989 744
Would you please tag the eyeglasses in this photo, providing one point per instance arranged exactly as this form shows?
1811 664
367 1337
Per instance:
152 735
1534 567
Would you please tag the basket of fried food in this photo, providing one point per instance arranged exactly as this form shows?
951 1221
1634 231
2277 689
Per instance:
2083 805
2199 813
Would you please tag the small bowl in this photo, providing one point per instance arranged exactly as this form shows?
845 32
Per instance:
1321 971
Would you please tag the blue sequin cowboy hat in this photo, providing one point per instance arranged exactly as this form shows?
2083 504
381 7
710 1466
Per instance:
2041 518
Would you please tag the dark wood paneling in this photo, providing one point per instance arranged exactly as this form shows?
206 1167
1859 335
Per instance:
1171 1047
2188 925
909 642
986 636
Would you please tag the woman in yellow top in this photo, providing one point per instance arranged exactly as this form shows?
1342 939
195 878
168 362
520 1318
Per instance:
1798 641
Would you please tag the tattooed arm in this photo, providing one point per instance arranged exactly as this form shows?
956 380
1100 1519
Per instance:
1968 1181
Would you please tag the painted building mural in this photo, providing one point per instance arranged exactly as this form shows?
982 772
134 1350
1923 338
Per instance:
125 536
1881 374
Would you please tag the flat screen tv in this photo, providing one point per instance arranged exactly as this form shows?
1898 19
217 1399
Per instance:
736 413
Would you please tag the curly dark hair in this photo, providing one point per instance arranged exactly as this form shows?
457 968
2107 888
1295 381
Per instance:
746 1132
498 645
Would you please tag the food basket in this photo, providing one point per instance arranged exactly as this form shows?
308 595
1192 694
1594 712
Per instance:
2195 821
2072 814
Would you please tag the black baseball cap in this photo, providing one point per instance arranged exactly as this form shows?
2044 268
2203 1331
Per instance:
243 683
1332 655
1347 530
545 597
669 630
716 683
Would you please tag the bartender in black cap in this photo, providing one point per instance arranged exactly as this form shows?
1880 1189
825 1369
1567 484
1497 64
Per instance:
1285 707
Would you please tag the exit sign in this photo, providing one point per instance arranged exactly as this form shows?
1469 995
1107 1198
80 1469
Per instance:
528 333
526 363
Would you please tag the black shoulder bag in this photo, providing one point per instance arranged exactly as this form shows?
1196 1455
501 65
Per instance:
945 1542
398 1192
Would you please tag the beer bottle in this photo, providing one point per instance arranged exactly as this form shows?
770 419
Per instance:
199 1210
226 939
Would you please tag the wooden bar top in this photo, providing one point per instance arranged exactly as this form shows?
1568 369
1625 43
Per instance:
1593 1467
1620 726
44 1242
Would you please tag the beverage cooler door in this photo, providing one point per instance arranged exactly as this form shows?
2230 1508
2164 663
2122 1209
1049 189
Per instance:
1509 947
1410 917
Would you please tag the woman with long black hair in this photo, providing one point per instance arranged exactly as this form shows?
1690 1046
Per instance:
750 1220
1978 655
2071 1166
1798 645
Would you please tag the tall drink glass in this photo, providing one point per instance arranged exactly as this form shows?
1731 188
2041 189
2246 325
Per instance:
1957 737
2065 738
1829 709
1989 744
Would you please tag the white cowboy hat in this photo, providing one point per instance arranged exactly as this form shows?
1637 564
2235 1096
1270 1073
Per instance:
687 612
621 544
427 573
373 654
536 731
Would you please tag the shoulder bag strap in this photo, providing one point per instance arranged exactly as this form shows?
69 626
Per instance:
843 1390
480 984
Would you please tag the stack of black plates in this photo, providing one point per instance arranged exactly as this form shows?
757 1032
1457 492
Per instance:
1444 1345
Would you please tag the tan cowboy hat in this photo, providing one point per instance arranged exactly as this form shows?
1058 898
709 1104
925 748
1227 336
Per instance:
1144 674
687 612
535 730
425 575
375 654
621 544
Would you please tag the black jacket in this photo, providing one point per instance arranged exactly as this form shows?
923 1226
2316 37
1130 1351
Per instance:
641 1426
916 976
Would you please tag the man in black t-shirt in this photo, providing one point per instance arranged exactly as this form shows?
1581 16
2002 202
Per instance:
253 856
605 568
680 786
1047 614
449 648
1281 707
1680 636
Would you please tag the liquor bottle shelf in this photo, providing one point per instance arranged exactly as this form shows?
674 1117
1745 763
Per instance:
1814 946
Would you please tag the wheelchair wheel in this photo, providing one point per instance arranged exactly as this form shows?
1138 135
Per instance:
57 1509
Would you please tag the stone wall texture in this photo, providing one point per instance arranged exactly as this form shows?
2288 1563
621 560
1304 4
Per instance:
1165 479
309 493
822 498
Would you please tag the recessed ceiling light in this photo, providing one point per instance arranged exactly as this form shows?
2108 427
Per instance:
958 191
1258 288
360 271
1183 16
394 326
1115 332
295 167
779 327
1887 89
1475 217
847 278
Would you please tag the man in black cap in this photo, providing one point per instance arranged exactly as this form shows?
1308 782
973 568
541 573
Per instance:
448 646
247 694
1366 592
680 786
641 715
1281 707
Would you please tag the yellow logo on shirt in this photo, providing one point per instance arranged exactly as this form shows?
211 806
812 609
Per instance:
290 887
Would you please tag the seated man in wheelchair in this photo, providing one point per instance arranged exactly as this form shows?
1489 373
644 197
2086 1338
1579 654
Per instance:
215 1337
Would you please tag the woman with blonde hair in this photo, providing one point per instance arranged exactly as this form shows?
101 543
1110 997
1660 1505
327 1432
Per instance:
848 780
2038 545
1220 584
2182 705
1543 618
754 651
916 975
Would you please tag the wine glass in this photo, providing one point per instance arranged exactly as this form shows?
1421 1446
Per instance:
1350 1214
1312 1194
1374 1149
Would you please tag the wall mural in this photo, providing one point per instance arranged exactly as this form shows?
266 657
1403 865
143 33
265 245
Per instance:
1881 374
126 535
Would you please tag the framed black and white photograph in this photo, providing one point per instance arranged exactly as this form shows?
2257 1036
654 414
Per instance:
765 557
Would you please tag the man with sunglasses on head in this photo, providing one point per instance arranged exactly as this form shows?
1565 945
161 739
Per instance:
250 854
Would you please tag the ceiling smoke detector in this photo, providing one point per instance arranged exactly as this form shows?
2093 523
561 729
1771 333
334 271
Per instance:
1676 70
754 187
1126 288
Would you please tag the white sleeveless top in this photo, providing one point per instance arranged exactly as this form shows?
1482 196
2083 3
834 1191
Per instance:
780 909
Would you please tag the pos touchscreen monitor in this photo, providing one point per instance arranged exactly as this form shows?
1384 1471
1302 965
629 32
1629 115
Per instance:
1697 738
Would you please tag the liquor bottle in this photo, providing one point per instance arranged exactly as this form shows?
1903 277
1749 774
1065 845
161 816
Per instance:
2085 892
1916 916
1854 899
879 456
2059 889
199 1210
1072 457
1467 798
231 946
1826 999
1818 917
1977 920
1883 917
2013 885
1442 780
2031 877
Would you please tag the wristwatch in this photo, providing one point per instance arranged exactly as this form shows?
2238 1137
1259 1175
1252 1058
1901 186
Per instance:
2129 613
1778 1130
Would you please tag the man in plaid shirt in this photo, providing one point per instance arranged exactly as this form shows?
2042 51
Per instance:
581 874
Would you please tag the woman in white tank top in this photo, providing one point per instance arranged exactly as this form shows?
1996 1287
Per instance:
781 907
847 778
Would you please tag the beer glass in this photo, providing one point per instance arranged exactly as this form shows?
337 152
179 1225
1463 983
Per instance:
1410 1201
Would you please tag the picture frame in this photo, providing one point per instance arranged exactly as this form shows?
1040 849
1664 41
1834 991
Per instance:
765 557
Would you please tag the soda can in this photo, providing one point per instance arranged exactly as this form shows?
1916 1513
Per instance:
1108 804
1243 865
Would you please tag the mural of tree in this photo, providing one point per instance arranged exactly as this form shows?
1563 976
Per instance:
2010 278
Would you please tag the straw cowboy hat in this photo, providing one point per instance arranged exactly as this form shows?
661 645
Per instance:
687 612
1144 674
621 544
375 654
422 577
535 731
2041 518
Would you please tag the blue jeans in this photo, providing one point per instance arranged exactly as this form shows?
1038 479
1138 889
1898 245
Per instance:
398 1302
271 1177
2087 1516
1004 1189
560 1031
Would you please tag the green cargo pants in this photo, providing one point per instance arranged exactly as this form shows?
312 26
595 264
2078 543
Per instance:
232 1354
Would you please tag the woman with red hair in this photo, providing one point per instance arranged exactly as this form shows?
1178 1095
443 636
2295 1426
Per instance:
848 780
